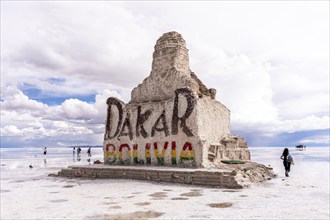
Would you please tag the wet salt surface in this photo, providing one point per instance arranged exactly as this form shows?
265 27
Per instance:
31 194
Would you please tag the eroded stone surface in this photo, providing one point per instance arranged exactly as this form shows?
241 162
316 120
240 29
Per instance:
230 176
170 71
172 119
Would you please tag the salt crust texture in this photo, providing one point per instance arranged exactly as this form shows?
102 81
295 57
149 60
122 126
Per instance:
31 194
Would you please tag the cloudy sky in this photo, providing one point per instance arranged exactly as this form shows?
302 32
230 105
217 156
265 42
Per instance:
60 61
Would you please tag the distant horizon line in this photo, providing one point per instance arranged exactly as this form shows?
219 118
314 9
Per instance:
100 146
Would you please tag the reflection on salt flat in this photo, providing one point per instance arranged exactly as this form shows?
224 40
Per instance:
13 158
312 161
17 158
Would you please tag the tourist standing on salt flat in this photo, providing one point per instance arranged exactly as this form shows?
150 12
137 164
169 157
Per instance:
78 154
287 161
89 152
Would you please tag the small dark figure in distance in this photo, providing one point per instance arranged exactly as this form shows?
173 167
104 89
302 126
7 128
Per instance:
89 152
287 161
31 166
78 154
45 150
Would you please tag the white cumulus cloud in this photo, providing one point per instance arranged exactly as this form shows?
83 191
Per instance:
271 71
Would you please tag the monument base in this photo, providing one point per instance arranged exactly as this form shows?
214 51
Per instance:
230 176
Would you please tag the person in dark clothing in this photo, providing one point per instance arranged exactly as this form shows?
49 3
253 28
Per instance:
287 160
89 152
78 154
45 150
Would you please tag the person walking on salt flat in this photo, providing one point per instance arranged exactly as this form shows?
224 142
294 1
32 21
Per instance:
89 152
287 161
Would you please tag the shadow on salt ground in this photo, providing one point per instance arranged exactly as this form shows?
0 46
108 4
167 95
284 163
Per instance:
191 194
50 186
41 208
17 181
128 197
200 216
127 216
68 186
180 198
142 203
58 200
115 207
230 190
158 195
221 205
167 190
110 203
195 190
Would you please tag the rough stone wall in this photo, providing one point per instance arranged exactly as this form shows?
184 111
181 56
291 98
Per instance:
234 176
225 179
213 120
155 133
170 51
172 119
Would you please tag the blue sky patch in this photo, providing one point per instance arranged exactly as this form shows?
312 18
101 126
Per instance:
50 98
56 81
51 101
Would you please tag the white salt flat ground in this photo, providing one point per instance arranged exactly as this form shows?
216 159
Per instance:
31 194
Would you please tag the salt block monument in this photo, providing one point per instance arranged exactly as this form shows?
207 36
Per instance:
173 119
173 130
